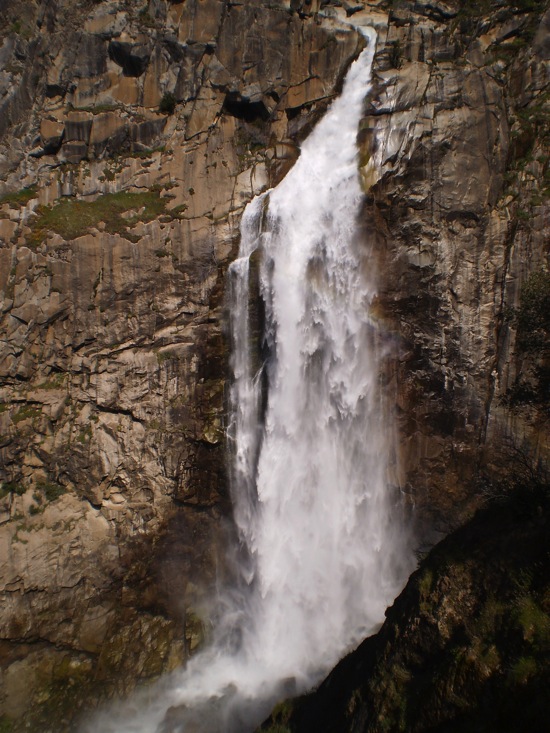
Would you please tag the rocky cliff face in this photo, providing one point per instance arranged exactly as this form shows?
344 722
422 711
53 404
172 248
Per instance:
131 137
455 163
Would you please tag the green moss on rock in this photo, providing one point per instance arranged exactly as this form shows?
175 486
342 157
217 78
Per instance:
71 217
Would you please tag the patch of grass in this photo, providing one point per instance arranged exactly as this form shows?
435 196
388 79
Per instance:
523 670
72 218
533 622
425 584
55 382
163 356
6 725
19 198
50 490
178 211
10 487
490 617
167 103
27 412
280 717
144 154
21 28
98 109
489 657
85 435
148 153
474 8
145 19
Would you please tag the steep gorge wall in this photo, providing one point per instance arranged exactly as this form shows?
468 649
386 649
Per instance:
455 160
133 137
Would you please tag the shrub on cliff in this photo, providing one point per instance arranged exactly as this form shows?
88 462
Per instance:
533 315
167 103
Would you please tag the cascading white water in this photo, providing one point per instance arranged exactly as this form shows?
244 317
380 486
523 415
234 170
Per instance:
323 554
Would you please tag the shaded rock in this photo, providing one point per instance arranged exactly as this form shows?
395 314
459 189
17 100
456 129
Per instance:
91 59
438 151
133 58
78 126
52 133
148 132
245 109
109 132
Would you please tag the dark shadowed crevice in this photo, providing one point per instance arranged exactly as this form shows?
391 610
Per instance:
243 109
133 58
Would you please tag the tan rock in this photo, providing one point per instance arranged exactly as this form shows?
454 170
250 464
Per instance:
124 89
152 89
50 129
106 21
104 126
200 21
7 232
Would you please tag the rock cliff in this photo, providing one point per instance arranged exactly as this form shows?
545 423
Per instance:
455 161
131 138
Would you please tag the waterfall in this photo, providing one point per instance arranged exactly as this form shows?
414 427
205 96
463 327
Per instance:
322 557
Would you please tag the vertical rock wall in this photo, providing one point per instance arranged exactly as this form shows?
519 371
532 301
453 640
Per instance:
455 165
132 138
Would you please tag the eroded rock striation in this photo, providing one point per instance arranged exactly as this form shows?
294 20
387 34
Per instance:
455 165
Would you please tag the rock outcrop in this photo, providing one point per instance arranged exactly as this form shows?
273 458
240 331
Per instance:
455 165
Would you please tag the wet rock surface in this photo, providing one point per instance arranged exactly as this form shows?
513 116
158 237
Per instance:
455 166
464 647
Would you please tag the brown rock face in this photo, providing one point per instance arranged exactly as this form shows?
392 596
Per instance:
131 142
455 150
